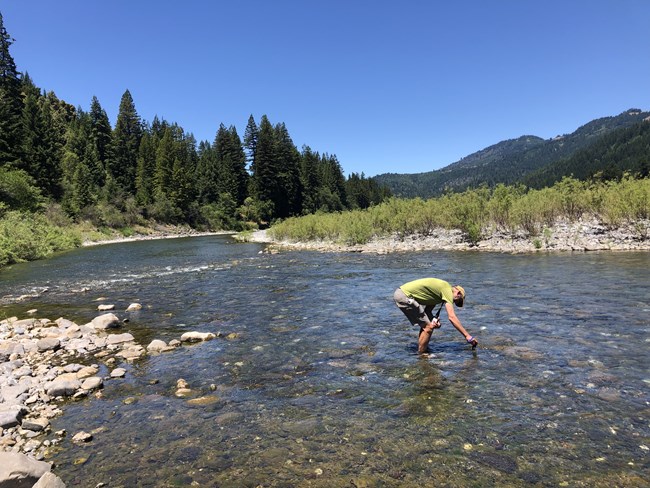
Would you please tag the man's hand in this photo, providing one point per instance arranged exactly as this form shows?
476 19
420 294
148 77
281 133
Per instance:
435 323
472 341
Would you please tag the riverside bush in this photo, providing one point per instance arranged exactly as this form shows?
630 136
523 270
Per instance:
512 208
27 236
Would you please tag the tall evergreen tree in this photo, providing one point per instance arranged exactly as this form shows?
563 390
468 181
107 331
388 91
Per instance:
231 163
265 182
310 179
101 136
126 141
41 153
332 191
11 104
289 173
207 174
165 155
144 179
251 135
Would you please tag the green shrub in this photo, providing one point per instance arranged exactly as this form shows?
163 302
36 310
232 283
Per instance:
27 237
473 211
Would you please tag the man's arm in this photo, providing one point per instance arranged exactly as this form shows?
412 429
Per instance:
457 325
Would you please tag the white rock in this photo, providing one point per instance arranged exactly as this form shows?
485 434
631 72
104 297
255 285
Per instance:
92 383
106 321
133 307
87 372
197 336
119 338
49 480
157 346
118 373
104 307
82 437
36 425
20 470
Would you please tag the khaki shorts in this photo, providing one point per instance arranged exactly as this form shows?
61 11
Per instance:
417 314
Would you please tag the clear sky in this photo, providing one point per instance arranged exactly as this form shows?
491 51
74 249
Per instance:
388 86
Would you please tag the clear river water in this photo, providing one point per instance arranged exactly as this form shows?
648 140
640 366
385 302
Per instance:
321 385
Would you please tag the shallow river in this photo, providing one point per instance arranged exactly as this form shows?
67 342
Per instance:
323 386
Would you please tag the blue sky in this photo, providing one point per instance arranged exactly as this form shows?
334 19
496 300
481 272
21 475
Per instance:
388 86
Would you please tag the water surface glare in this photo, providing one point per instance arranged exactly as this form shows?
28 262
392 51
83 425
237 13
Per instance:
322 385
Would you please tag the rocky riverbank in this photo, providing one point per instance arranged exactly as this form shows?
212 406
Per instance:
149 233
583 235
43 363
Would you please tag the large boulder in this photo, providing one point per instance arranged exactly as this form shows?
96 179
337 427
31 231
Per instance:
20 471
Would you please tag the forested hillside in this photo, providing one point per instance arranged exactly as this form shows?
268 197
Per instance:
623 150
512 161
53 154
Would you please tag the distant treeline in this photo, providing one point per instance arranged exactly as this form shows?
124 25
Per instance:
54 153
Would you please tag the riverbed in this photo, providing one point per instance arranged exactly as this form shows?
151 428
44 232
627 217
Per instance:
314 379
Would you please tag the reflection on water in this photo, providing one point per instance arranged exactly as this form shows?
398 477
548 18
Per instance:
323 386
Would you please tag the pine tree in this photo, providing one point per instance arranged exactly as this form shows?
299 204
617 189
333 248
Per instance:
310 179
265 183
126 141
41 148
144 179
165 155
207 174
251 134
289 174
11 104
231 164
238 168
332 192
101 136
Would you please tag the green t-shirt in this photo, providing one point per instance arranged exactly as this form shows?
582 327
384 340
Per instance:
429 291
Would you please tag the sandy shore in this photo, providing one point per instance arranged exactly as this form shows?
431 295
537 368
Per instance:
583 235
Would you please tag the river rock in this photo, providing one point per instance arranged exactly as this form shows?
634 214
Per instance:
118 373
92 383
36 425
105 308
157 346
64 323
106 321
10 416
134 307
119 338
64 385
87 372
20 471
197 336
49 480
48 344
132 352
82 437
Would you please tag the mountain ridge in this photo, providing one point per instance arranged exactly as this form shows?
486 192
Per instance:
509 161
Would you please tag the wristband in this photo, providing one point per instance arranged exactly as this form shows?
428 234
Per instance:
470 339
